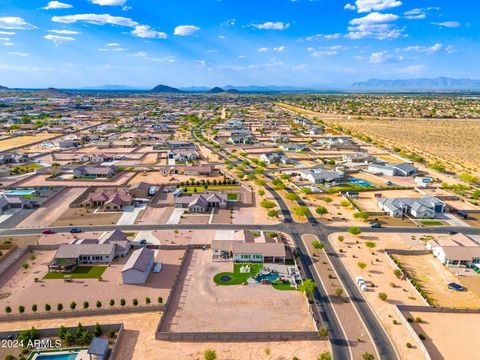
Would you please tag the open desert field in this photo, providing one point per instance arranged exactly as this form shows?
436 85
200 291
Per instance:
449 336
451 140
83 216
23 140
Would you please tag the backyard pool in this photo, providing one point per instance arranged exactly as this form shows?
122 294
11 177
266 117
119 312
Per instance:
55 355
269 277
21 192
360 182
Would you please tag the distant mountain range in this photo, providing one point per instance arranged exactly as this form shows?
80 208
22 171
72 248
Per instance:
165 89
440 83
3 87
110 87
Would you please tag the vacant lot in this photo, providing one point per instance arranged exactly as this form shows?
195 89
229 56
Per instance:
434 278
82 216
23 140
449 336
208 307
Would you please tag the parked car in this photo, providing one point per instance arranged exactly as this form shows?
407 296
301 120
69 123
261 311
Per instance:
456 287
48 232
75 230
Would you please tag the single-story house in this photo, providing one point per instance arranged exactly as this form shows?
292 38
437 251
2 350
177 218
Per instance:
183 155
426 207
178 144
275 158
389 169
458 250
138 266
95 171
96 158
108 200
120 240
73 142
293 147
199 203
246 138
68 256
358 157
321 176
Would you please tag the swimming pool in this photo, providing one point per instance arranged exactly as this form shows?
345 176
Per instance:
71 355
270 277
360 182
21 192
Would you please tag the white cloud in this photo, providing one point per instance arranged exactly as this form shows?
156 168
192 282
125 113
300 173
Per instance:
282 48
326 51
109 2
64 32
8 43
375 25
349 7
17 53
116 49
415 14
97 19
435 48
377 5
383 57
113 44
14 23
449 24
4 39
140 54
145 31
57 5
57 39
270 25
324 36
185 30
7 33
221 37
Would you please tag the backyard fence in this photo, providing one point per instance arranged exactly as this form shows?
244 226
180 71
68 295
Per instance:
237 336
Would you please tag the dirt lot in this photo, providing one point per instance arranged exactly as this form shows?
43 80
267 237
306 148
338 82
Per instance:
138 341
41 180
434 277
23 140
153 215
236 308
21 240
45 215
18 285
449 336
379 270
83 216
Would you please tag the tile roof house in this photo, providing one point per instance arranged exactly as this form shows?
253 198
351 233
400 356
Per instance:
426 207
108 200
321 176
138 266
141 190
200 203
358 157
68 256
458 250
244 247
95 171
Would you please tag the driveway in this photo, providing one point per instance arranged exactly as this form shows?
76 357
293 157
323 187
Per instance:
7 214
130 213
175 216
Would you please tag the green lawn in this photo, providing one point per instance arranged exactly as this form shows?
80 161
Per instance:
431 222
232 197
283 286
238 278
81 272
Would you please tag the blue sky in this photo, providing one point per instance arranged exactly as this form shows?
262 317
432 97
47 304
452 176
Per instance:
76 43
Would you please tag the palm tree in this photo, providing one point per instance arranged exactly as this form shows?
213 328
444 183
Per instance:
308 287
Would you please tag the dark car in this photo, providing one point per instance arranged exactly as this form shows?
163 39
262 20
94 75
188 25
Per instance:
452 232
75 230
456 287
376 225
48 232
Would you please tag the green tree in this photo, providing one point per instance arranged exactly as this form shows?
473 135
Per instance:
321 210
361 265
301 210
210 355
325 356
367 356
354 230
318 245
308 287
